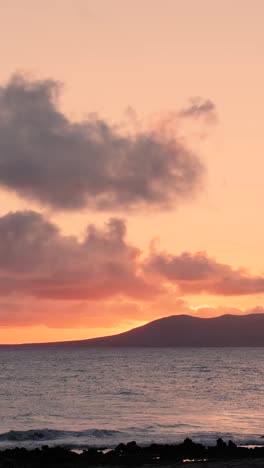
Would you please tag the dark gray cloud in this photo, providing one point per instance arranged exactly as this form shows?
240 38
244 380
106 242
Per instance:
197 273
199 108
70 165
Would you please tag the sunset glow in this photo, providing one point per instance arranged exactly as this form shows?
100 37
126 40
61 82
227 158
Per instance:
131 168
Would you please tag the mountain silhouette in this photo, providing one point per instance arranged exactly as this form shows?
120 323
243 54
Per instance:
180 331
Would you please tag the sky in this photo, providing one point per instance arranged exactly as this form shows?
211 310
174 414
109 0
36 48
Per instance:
131 164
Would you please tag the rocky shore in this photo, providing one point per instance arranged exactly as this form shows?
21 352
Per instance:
188 453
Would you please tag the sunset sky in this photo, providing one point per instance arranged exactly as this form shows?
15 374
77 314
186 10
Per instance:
131 163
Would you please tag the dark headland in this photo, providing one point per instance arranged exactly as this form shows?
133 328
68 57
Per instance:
180 331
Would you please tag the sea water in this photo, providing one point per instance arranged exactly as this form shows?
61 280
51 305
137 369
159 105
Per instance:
101 397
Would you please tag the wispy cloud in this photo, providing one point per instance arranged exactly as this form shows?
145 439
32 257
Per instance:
199 108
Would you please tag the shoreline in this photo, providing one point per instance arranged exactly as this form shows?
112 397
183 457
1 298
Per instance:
187 453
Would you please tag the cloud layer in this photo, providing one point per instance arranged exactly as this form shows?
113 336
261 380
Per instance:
57 280
70 165
197 273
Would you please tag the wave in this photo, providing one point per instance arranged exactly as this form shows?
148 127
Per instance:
109 438
53 434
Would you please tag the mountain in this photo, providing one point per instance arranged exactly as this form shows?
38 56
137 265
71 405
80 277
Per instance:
180 331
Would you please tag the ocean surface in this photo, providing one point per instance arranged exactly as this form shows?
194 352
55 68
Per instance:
81 398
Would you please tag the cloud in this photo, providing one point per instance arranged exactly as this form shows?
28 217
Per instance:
68 165
200 108
106 313
68 314
102 280
37 260
27 312
197 273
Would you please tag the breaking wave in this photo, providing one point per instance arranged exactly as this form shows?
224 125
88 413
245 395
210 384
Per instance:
103 438
52 434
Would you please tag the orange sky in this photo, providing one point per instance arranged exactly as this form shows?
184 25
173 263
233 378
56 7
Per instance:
137 65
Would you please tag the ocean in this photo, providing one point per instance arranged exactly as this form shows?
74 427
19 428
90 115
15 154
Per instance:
101 397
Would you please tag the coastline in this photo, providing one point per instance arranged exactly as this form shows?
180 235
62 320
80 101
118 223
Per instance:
187 453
